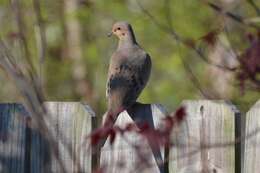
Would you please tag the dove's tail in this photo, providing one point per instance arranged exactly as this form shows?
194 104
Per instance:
107 123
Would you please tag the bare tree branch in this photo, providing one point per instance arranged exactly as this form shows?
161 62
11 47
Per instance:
41 27
170 30
21 28
28 87
253 4
168 16
196 82
232 16
179 39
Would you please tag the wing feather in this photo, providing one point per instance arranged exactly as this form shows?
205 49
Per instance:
126 80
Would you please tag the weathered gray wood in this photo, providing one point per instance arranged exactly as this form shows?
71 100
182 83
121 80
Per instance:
252 143
122 156
240 122
23 149
13 139
206 123
70 122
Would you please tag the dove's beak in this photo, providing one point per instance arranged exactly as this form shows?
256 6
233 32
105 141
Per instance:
109 34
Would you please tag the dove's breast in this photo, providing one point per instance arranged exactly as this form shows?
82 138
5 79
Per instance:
128 75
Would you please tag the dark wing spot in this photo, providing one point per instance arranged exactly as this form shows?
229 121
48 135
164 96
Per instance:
124 67
127 67
131 96
141 81
117 81
134 81
121 67
136 88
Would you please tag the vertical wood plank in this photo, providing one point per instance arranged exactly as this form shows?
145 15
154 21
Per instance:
70 122
122 156
239 145
252 143
13 139
242 141
206 123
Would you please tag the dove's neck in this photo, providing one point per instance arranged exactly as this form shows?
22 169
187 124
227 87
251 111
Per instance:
127 41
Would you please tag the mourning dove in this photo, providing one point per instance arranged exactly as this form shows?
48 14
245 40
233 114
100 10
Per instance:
128 73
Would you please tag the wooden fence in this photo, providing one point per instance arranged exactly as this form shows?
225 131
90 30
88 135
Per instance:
214 137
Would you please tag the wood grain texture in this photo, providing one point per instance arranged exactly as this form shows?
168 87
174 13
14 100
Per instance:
206 123
70 122
23 149
122 156
252 143
13 139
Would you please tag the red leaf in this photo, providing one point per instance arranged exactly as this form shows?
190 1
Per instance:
210 37
95 137
112 135
144 127
250 37
169 123
180 114
130 127
13 35
250 63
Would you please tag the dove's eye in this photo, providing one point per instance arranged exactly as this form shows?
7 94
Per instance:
118 28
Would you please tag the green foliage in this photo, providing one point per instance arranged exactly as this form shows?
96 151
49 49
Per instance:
169 83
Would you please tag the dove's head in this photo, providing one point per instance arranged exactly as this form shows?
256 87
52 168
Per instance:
123 31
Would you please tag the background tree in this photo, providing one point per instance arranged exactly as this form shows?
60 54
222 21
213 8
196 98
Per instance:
70 35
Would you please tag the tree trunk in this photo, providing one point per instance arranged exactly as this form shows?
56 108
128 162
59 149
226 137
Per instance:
223 55
74 49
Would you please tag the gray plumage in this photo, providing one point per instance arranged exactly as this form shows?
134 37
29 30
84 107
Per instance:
129 70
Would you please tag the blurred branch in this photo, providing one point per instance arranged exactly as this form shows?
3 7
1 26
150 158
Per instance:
170 30
41 26
253 4
33 97
161 136
230 15
176 37
230 46
168 16
21 28
158 24
195 81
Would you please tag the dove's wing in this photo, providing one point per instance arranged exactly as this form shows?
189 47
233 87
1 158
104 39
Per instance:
127 77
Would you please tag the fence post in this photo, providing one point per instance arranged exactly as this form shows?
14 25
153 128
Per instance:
239 145
70 123
24 150
252 140
198 140
131 152
14 139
